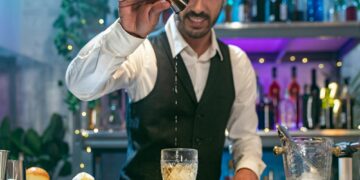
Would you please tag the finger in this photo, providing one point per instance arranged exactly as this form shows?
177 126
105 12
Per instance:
159 7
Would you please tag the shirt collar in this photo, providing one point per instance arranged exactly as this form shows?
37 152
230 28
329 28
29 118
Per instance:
178 43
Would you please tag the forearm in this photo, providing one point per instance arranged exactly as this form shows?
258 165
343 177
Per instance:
90 74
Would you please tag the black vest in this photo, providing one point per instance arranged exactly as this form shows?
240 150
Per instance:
201 125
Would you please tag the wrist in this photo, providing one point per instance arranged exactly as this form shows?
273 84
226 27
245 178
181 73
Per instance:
131 33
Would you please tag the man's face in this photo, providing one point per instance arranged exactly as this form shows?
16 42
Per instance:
196 20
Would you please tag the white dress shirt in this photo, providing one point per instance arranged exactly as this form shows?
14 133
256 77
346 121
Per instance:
116 60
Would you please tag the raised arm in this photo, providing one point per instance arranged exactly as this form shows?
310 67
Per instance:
103 65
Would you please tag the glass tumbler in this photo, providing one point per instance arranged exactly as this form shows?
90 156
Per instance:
308 159
14 170
179 164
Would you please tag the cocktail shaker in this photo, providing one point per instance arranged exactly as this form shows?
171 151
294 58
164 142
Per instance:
176 5
3 161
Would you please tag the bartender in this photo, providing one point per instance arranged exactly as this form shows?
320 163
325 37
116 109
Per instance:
186 88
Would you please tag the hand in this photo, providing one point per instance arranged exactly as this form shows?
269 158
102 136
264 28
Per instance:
245 174
139 17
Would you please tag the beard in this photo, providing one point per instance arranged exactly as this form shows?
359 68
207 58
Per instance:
194 32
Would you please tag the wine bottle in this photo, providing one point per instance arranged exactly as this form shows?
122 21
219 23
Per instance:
265 112
315 100
274 10
326 95
347 103
294 92
307 102
288 112
274 94
228 11
284 5
351 10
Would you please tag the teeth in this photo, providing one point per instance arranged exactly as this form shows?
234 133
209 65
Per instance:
197 19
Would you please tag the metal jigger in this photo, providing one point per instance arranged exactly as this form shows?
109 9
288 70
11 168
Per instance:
3 161
178 5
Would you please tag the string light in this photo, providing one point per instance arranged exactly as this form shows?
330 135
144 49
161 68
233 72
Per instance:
77 131
96 130
321 66
358 126
84 134
292 58
262 60
266 130
339 64
70 47
88 149
101 21
82 165
83 114
303 129
305 60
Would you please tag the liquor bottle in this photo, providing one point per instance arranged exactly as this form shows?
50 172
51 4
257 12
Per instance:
259 90
288 112
273 9
307 102
310 14
114 119
315 10
347 103
319 10
339 14
94 110
326 119
294 92
351 10
260 10
274 94
284 10
265 111
315 100
296 10
228 11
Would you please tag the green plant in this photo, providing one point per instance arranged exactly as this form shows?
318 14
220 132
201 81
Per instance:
77 23
48 151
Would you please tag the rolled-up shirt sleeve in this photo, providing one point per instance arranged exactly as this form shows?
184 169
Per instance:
246 146
101 66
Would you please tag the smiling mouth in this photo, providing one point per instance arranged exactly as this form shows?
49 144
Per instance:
197 19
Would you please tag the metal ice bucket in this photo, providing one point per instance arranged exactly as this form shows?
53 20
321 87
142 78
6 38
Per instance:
3 161
307 158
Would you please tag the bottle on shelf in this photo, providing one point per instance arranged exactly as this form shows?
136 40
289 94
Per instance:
347 104
337 12
274 94
351 10
258 10
288 112
284 5
294 92
228 11
307 102
265 111
296 10
327 94
273 10
314 103
114 120
94 114
315 10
